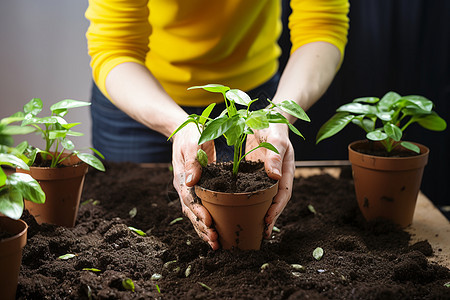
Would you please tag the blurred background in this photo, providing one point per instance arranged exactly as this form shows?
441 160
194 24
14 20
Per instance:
403 46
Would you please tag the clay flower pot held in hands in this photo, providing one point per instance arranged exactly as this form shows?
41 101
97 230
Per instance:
238 217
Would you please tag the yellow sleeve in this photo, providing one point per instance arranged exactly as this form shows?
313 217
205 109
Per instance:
119 32
319 20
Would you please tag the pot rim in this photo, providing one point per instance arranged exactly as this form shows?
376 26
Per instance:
15 234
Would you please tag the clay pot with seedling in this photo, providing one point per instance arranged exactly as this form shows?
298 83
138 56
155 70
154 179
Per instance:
14 188
238 216
387 170
59 168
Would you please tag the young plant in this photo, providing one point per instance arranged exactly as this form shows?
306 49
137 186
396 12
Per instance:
385 120
236 124
54 130
16 187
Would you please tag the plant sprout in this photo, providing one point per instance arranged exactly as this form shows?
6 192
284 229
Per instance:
16 187
54 130
236 124
385 120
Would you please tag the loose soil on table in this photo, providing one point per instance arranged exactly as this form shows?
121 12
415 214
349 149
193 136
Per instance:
360 260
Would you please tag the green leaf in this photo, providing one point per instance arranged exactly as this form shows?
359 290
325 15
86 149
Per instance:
74 133
69 125
97 152
35 120
312 209
205 114
215 88
357 108
67 256
295 130
388 100
419 101
176 220
370 100
128 284
2 177
393 131
11 160
202 157
54 134
204 286
138 231
262 145
181 126
215 129
91 269
67 104
376 135
27 186
238 96
292 108
318 253
17 117
91 160
335 124
432 122
68 144
33 107
11 203
15 130
447 284
411 146
234 133
257 120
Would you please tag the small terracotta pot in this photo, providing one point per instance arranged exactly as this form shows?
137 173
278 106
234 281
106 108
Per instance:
238 217
62 187
387 187
11 255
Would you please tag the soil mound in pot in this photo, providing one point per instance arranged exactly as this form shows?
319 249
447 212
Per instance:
361 260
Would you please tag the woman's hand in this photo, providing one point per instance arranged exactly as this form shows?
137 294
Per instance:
278 166
187 171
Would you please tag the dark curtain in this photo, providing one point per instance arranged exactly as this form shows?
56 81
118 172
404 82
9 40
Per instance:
401 46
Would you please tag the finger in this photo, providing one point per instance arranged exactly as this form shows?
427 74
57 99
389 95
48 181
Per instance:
205 232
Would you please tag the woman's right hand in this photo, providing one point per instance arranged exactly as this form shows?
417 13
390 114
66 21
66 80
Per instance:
187 171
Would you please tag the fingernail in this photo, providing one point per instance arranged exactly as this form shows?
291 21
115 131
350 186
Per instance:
189 178
276 172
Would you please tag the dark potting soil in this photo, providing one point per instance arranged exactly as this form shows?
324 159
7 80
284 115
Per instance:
361 260
251 177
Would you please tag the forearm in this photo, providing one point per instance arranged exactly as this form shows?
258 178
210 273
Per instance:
308 74
134 90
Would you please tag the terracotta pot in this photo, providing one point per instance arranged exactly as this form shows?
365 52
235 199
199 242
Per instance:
387 187
11 255
238 217
62 187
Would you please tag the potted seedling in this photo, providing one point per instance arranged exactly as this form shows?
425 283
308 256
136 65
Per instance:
14 188
238 216
387 170
59 168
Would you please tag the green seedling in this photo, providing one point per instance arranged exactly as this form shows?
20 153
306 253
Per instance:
138 231
318 253
128 284
16 187
236 124
55 131
133 212
176 220
67 256
385 120
158 289
91 269
204 286
312 209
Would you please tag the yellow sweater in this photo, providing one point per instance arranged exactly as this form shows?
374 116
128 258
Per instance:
194 42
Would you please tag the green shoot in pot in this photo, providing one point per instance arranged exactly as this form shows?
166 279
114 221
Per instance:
16 187
54 130
385 120
236 124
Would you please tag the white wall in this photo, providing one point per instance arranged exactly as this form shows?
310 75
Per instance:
43 54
